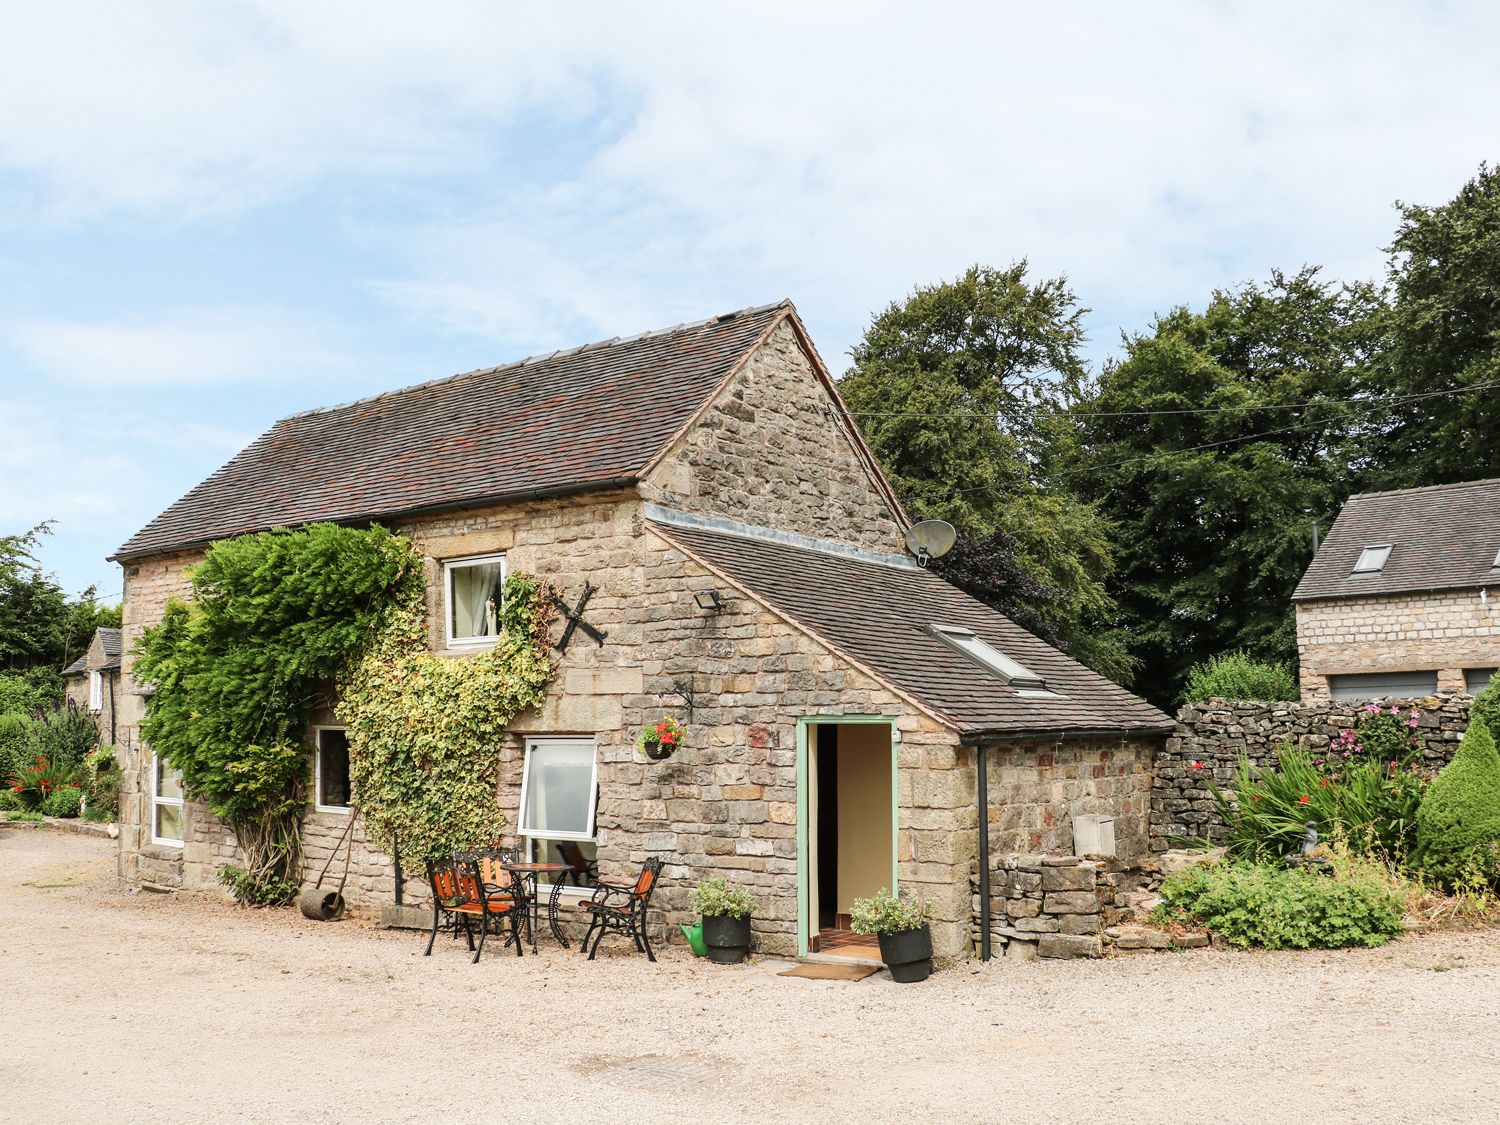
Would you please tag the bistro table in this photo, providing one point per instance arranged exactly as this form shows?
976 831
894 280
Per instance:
530 872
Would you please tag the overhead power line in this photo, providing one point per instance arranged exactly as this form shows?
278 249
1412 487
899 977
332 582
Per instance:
1358 402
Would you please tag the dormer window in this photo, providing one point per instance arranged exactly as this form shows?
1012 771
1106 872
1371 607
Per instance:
473 589
1010 672
1372 559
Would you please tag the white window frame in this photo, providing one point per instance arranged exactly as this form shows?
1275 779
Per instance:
1006 669
157 799
449 566
318 805
96 690
592 835
1366 563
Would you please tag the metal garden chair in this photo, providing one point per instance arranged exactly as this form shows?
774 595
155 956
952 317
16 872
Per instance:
622 910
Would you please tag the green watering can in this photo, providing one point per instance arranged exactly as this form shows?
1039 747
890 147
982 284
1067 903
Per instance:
694 935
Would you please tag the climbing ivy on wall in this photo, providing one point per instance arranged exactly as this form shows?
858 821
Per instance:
426 732
240 670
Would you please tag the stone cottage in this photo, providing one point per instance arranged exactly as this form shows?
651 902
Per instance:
1403 598
92 683
740 563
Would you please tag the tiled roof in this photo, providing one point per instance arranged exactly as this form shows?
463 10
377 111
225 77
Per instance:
877 613
589 417
1442 538
109 641
77 667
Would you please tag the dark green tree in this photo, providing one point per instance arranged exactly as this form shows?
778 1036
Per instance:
960 390
1443 335
1214 511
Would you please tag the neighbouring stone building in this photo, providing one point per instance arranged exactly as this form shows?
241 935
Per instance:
1403 598
92 683
744 566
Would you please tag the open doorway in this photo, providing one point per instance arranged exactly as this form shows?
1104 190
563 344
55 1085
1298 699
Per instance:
851 829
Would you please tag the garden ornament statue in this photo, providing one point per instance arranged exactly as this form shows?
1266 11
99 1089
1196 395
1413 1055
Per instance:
1310 841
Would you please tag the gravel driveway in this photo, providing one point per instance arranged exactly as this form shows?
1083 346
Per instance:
136 1007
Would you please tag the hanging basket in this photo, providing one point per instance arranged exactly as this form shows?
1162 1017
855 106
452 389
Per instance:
659 740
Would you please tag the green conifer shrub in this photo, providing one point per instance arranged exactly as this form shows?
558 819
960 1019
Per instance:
1458 823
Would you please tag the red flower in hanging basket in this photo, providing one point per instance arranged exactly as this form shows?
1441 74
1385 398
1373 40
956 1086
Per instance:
659 740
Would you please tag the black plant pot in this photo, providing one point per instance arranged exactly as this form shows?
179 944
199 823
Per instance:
727 939
908 954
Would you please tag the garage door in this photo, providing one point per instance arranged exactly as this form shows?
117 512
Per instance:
1478 679
1383 685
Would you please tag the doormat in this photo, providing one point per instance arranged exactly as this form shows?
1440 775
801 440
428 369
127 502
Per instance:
821 970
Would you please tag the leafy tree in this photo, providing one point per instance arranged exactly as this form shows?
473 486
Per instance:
1233 675
1443 334
1213 512
39 626
959 390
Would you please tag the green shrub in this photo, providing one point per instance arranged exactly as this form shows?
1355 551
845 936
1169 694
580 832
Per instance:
718 898
1458 825
101 784
64 802
36 689
25 814
1234 675
1371 804
14 731
249 890
884 913
1486 707
8 800
1277 908
65 736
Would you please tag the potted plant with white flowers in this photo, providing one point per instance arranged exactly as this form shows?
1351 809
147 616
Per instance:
726 908
902 925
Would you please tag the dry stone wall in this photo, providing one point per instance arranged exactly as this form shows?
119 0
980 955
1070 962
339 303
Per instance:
1212 736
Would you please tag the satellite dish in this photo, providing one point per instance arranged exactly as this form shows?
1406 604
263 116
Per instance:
930 539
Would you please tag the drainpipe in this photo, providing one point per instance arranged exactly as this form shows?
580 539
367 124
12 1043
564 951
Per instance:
112 708
982 762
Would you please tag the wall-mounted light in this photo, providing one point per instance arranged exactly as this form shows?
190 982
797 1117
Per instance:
709 600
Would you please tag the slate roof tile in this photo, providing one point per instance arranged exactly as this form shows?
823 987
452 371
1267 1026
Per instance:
587 417
878 614
1444 537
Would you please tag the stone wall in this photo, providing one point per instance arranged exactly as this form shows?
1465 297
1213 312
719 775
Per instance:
76 691
1211 737
1047 906
771 451
1036 788
1443 631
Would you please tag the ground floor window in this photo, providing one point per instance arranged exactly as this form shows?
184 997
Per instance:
331 770
166 802
559 790
1477 679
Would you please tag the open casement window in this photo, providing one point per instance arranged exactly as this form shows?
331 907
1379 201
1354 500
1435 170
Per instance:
166 803
331 770
1372 560
96 691
1008 671
472 589
559 789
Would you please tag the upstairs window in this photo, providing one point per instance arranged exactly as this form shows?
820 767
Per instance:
1372 559
96 691
472 589
331 770
1010 672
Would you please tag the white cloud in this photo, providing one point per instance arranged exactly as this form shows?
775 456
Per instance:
184 348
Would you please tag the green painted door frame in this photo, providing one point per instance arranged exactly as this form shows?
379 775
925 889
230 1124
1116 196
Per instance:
804 872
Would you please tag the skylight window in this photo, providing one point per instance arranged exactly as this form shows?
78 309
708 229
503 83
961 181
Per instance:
1009 672
1372 559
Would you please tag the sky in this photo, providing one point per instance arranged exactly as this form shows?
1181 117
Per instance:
213 215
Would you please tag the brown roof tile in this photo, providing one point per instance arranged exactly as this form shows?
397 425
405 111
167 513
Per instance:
588 417
877 614
1442 538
